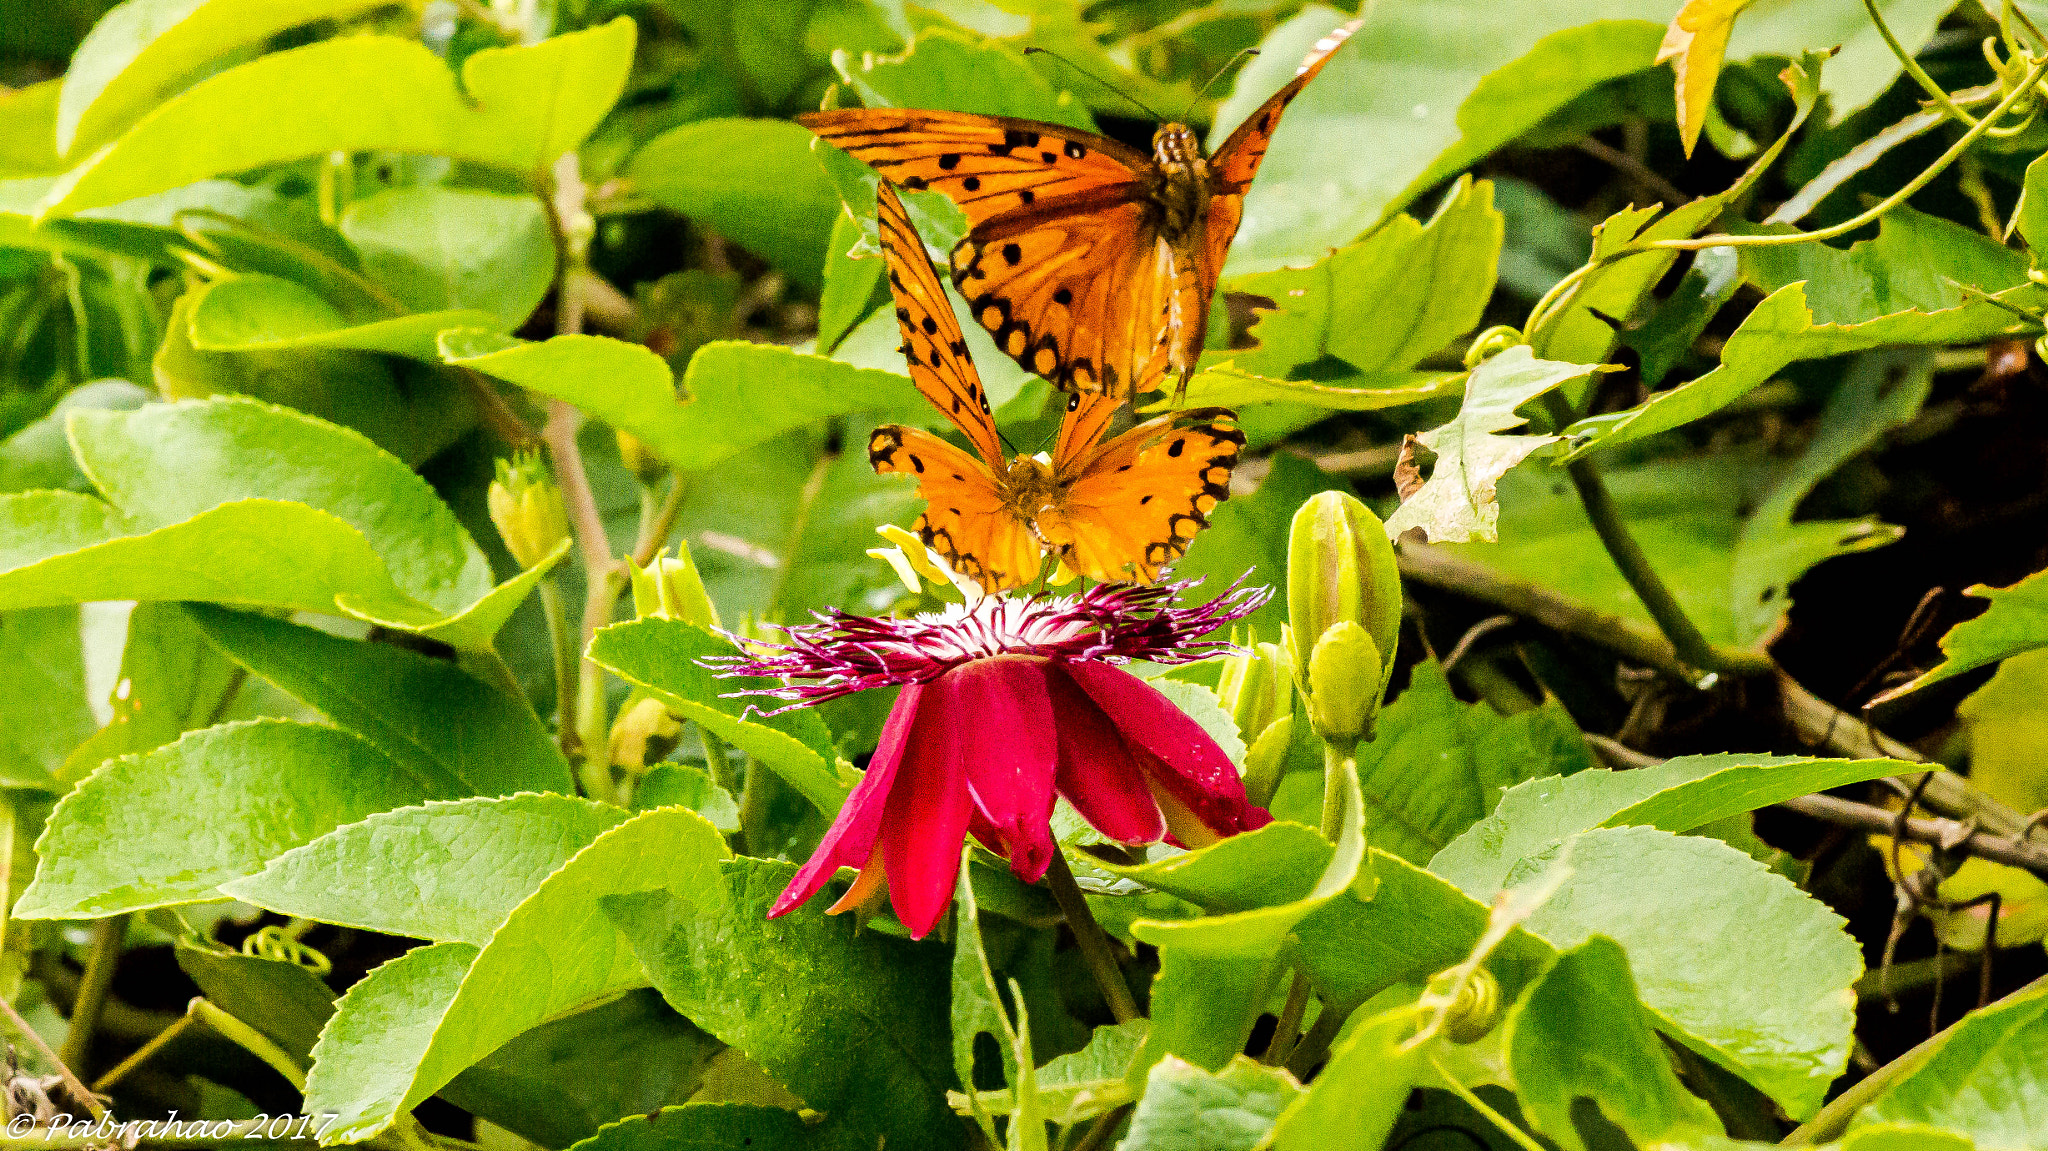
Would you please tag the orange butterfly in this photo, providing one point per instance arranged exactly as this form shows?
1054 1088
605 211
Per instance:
1091 264
1115 511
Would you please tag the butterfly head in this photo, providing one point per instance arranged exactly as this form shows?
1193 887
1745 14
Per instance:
1175 146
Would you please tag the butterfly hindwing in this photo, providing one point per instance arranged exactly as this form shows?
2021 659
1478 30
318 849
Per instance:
987 164
932 343
968 519
1133 505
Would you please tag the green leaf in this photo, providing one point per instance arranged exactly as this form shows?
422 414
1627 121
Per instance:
365 535
1224 382
1386 303
704 1127
172 681
1779 1014
1580 1032
1188 1109
1216 973
366 1053
555 951
2016 622
400 701
1437 765
753 181
1862 67
1433 87
126 839
954 71
800 992
477 859
852 284
44 712
1678 795
143 51
439 249
284 1001
1274 864
663 657
525 106
28 133
1082 1085
1894 289
742 394
1457 503
558 1083
264 313
978 1002
1986 1079
1360 1093
38 455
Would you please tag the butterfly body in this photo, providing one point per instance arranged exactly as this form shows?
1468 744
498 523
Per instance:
1088 261
1116 510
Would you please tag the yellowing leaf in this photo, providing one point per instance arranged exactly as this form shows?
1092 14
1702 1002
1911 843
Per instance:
1695 43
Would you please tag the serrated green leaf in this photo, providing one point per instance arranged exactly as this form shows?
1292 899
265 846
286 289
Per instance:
1678 795
142 51
1779 1015
525 106
38 455
977 1002
663 657
678 785
1988 1079
1457 503
956 72
400 701
1225 382
704 1127
753 181
1894 289
1277 863
441 249
1185 1108
125 839
852 284
1580 1032
1082 1085
798 993
366 1053
1437 765
1385 303
44 712
449 870
1862 65
365 535
555 951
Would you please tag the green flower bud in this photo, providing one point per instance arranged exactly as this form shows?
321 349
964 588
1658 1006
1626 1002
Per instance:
1474 1010
1256 688
526 507
643 733
1341 568
1344 684
670 588
1266 761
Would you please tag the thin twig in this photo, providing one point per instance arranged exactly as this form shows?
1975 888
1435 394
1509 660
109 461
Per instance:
77 1089
1096 950
1634 169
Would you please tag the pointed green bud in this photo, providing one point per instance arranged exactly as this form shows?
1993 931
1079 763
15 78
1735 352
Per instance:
1340 567
1344 685
1256 688
526 507
1266 760
670 588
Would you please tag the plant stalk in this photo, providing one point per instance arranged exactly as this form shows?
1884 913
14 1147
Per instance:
563 642
107 936
1097 952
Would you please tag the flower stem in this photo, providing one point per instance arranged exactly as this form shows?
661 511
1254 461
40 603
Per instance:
1288 1029
1686 640
250 1040
1935 91
1335 760
1096 950
564 644
107 936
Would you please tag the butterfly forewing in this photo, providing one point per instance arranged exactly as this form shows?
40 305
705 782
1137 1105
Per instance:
1237 161
986 164
932 343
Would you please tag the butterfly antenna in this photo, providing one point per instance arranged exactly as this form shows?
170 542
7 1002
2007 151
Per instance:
1106 85
1220 73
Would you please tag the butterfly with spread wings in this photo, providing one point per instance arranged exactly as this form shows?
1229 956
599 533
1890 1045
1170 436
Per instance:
1112 511
1090 263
